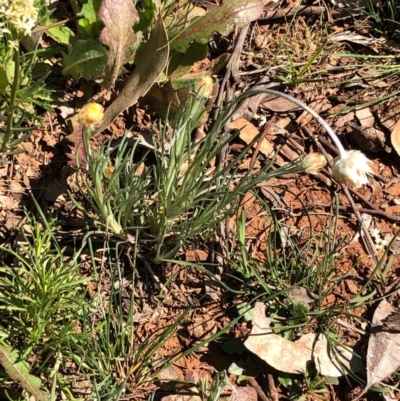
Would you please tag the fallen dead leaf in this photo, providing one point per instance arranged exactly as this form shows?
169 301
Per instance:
393 209
294 357
383 356
365 117
279 105
395 137
248 132
393 188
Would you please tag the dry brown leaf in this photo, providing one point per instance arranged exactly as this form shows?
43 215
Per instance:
365 117
353 37
7 203
248 132
383 356
393 188
395 137
279 105
243 394
393 209
294 357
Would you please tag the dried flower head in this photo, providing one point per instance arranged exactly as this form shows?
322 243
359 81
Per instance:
313 162
205 86
352 169
20 15
91 115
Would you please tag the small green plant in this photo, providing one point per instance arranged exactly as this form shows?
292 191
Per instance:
21 86
385 17
115 359
42 292
180 196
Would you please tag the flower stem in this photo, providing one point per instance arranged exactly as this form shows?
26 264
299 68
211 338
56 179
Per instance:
11 106
327 127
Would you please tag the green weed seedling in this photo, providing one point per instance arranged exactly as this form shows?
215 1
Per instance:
22 82
385 17
42 299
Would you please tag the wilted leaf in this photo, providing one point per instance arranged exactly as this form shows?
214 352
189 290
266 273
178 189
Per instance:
383 356
18 371
294 357
86 58
247 134
220 19
180 63
78 154
118 16
395 137
150 65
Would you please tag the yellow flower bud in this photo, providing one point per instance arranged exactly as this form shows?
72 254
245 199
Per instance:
313 162
205 86
91 115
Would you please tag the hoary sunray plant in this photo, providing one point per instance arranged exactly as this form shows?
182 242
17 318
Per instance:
181 195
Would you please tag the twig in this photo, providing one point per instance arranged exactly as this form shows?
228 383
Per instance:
367 240
152 274
260 392
374 211
260 139
232 68
273 393
303 10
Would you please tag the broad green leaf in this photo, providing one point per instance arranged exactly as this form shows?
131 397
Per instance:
151 63
180 63
147 10
118 17
59 33
18 370
87 59
89 25
218 19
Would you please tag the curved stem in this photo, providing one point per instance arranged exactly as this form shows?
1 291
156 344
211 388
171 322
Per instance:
13 97
327 127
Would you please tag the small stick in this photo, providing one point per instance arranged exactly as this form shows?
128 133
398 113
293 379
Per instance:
374 211
261 138
303 10
260 392
368 240
273 393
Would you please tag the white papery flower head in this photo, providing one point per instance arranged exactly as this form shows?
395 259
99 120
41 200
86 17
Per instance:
18 14
352 169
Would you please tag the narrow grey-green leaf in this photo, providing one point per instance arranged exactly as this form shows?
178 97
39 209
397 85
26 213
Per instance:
151 63
220 19
18 371
118 17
